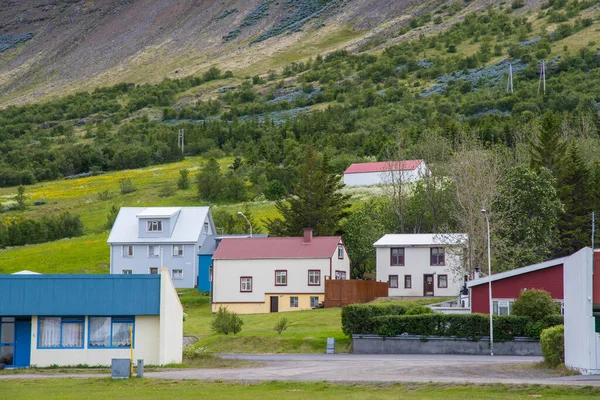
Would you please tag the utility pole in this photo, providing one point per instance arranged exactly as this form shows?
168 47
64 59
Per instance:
509 84
181 139
542 78
593 227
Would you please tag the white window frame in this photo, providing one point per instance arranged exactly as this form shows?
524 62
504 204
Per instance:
127 246
340 252
246 284
155 246
206 228
154 223
182 247
504 303
176 277
294 302
281 274
126 272
312 274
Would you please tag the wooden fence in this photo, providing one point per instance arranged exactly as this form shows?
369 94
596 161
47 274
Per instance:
339 293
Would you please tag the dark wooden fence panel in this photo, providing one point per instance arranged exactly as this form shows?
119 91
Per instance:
339 293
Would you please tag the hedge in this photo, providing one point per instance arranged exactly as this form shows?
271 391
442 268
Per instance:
552 342
357 318
506 327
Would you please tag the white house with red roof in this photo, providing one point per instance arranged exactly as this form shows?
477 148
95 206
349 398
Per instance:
261 275
386 172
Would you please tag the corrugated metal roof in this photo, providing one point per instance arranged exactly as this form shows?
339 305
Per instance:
187 229
384 166
65 295
276 247
211 242
421 239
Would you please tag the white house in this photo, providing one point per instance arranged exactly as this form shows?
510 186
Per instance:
420 264
145 238
261 275
582 311
86 319
376 173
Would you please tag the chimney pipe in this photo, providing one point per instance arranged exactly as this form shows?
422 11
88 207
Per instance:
476 274
307 235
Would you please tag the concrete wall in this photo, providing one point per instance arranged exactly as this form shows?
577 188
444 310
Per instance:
582 343
373 344
171 322
141 263
146 346
265 305
417 263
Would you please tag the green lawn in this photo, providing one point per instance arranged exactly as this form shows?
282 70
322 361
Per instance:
105 388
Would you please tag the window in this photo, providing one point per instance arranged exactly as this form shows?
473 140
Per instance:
154 226
442 281
154 270
210 273
281 278
437 256
126 272
246 284
397 257
110 331
293 301
341 252
314 301
314 277
393 281
407 282
206 228
177 274
153 250
57 332
128 250
177 250
502 307
340 275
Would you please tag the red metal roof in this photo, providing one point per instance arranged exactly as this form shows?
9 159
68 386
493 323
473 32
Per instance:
276 247
407 165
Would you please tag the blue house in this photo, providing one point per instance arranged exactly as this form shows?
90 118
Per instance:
86 319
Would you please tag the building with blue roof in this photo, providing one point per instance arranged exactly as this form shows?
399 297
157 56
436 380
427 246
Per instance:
86 319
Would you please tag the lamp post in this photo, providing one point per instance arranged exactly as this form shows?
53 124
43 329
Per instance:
485 214
249 224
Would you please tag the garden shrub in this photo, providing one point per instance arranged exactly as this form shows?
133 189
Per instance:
281 325
553 320
552 342
535 304
195 352
356 318
534 329
226 322
419 310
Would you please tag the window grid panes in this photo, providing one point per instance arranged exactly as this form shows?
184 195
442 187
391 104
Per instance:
110 331
127 251
407 281
177 274
246 284
393 281
502 307
57 332
177 250
341 252
293 301
154 226
314 278
153 251
442 281
397 256
314 301
437 256
281 278
127 272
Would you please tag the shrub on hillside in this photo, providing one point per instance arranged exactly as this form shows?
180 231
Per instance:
535 304
21 231
552 342
226 322
127 185
183 182
281 325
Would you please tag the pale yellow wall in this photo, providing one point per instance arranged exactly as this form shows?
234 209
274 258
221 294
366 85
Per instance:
171 322
265 307
146 347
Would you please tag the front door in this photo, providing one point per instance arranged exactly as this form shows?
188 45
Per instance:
22 343
274 303
427 285
15 342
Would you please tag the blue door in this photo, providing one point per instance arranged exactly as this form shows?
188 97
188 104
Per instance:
22 343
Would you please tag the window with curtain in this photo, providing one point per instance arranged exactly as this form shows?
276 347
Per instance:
110 331
60 332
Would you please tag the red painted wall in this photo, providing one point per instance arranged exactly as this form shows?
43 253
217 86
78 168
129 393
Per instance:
596 278
549 279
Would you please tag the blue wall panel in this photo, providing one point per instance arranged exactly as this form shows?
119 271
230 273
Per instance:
65 295
204 263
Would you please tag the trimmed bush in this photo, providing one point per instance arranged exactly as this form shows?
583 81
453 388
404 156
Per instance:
356 318
553 320
535 304
419 310
552 342
226 322
534 329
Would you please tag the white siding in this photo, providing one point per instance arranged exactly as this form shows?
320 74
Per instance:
417 264
171 322
582 343
379 178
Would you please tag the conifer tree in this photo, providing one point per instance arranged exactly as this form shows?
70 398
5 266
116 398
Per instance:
549 149
315 202
209 180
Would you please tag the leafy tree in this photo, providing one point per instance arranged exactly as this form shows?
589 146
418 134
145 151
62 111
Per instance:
275 190
209 180
184 181
315 202
535 304
575 193
549 149
527 207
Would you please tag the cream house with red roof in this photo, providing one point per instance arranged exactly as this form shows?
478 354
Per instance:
261 275
386 172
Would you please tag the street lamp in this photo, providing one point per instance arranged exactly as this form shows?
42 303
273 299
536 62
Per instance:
485 214
249 224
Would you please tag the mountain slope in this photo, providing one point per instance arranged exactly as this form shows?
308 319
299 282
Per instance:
80 44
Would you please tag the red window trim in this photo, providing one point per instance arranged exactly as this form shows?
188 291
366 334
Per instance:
409 286
286 277
342 246
442 287
314 284
390 282
340 273
392 256
431 257
251 284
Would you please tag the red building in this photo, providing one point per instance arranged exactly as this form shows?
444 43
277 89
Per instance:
507 286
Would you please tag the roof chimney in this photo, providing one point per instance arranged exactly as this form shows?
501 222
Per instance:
307 235
476 274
